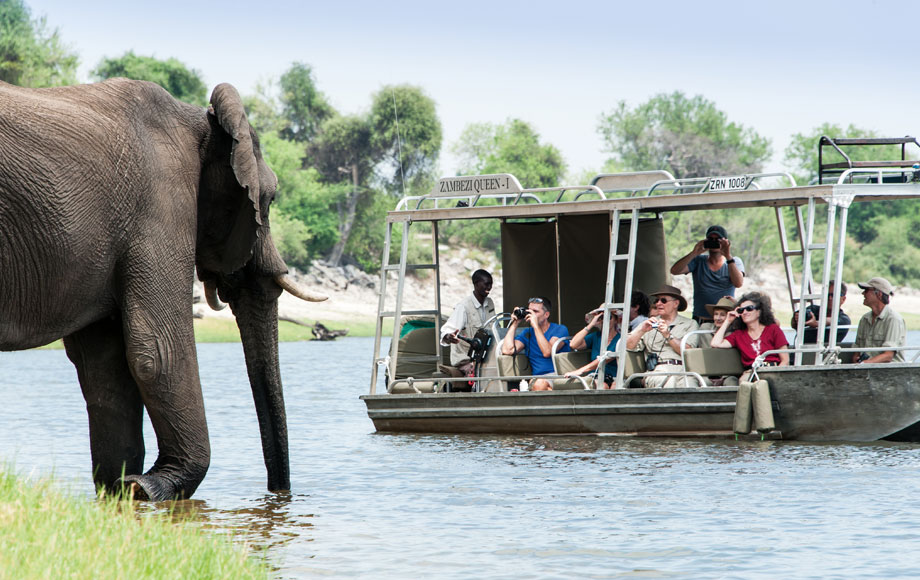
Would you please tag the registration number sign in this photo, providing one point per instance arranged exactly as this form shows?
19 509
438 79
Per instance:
733 183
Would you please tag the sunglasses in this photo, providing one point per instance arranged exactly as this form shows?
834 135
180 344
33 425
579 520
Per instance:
534 301
744 309
663 300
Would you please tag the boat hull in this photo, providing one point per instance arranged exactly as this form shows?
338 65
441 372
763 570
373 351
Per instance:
831 403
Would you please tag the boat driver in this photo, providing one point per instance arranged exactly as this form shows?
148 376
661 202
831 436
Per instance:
881 326
468 317
659 338
537 340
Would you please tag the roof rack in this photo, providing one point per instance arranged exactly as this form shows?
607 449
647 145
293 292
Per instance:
840 169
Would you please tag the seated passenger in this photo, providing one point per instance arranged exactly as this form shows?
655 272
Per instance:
639 309
537 340
881 326
585 338
468 317
810 334
660 336
718 312
754 331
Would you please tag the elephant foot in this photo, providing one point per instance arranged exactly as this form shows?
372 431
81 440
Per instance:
150 488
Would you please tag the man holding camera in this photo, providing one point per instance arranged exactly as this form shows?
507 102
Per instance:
659 338
810 334
537 340
881 326
469 316
715 275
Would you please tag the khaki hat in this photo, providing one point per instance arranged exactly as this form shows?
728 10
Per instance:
724 303
614 312
878 283
667 290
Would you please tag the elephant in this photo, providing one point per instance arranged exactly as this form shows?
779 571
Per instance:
112 196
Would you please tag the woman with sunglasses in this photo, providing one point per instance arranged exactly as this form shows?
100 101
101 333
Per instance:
754 331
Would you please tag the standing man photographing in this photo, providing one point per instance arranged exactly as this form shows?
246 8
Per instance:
716 273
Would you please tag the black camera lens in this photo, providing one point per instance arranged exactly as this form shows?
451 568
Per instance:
520 313
711 243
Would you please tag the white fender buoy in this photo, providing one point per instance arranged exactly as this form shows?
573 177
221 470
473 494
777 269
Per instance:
743 411
763 407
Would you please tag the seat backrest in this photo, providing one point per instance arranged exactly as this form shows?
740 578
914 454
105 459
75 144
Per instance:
635 363
713 362
513 366
565 362
417 354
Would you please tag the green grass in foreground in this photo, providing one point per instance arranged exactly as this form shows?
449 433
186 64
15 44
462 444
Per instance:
46 534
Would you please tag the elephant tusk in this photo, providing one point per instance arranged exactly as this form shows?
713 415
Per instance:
210 294
287 283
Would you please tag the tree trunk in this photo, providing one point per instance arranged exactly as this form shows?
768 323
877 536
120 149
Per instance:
351 207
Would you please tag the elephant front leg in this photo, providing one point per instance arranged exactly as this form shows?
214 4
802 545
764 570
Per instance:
112 401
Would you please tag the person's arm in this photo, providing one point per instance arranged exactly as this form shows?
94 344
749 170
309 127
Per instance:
578 341
510 345
452 327
682 266
633 338
583 370
880 357
719 340
735 274
784 357
670 340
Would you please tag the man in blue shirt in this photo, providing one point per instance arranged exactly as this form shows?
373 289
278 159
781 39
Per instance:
537 340
716 273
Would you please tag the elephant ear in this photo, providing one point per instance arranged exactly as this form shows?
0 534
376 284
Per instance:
227 107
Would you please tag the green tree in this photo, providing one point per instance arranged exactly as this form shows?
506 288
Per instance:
405 138
30 54
689 137
182 82
303 106
515 148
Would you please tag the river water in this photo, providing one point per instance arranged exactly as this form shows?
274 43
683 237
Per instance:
397 506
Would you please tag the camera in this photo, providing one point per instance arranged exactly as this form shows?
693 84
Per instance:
651 361
711 243
520 313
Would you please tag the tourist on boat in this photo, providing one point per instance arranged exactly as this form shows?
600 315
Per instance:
537 341
587 339
754 331
813 312
881 326
659 338
468 317
639 309
715 271
718 311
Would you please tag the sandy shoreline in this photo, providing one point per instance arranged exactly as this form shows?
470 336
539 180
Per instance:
353 296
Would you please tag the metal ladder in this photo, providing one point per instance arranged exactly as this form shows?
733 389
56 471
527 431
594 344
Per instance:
397 313
808 247
614 257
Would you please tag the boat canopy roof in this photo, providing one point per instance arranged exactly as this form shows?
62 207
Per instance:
501 195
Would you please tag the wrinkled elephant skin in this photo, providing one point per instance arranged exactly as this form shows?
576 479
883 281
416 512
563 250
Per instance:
111 196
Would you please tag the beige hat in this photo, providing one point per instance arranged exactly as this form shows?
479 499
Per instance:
667 290
878 283
725 303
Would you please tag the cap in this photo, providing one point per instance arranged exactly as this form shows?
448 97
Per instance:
717 230
878 283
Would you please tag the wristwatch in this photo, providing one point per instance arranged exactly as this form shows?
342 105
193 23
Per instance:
732 261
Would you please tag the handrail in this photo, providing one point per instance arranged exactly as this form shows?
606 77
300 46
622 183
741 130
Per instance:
683 343
528 194
878 172
701 184
759 361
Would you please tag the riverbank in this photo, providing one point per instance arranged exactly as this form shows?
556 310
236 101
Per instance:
47 534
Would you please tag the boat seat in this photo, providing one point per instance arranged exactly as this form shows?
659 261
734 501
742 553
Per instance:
635 363
713 362
422 386
514 366
565 362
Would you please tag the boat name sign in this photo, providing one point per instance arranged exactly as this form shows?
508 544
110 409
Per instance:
732 183
497 184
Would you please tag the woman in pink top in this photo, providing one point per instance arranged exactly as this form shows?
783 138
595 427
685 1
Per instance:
754 332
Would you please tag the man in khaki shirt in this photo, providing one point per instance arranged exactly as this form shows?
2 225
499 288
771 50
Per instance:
881 326
661 335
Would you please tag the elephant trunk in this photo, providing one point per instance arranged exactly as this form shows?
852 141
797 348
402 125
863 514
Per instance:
257 319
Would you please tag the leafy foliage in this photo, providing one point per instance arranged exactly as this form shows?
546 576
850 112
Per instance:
182 82
30 54
304 108
515 148
689 137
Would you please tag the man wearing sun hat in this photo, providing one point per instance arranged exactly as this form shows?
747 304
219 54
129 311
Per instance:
716 272
661 334
881 326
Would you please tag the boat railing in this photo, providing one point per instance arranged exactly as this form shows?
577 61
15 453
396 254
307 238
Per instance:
831 354
879 173
410 381
510 198
716 184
